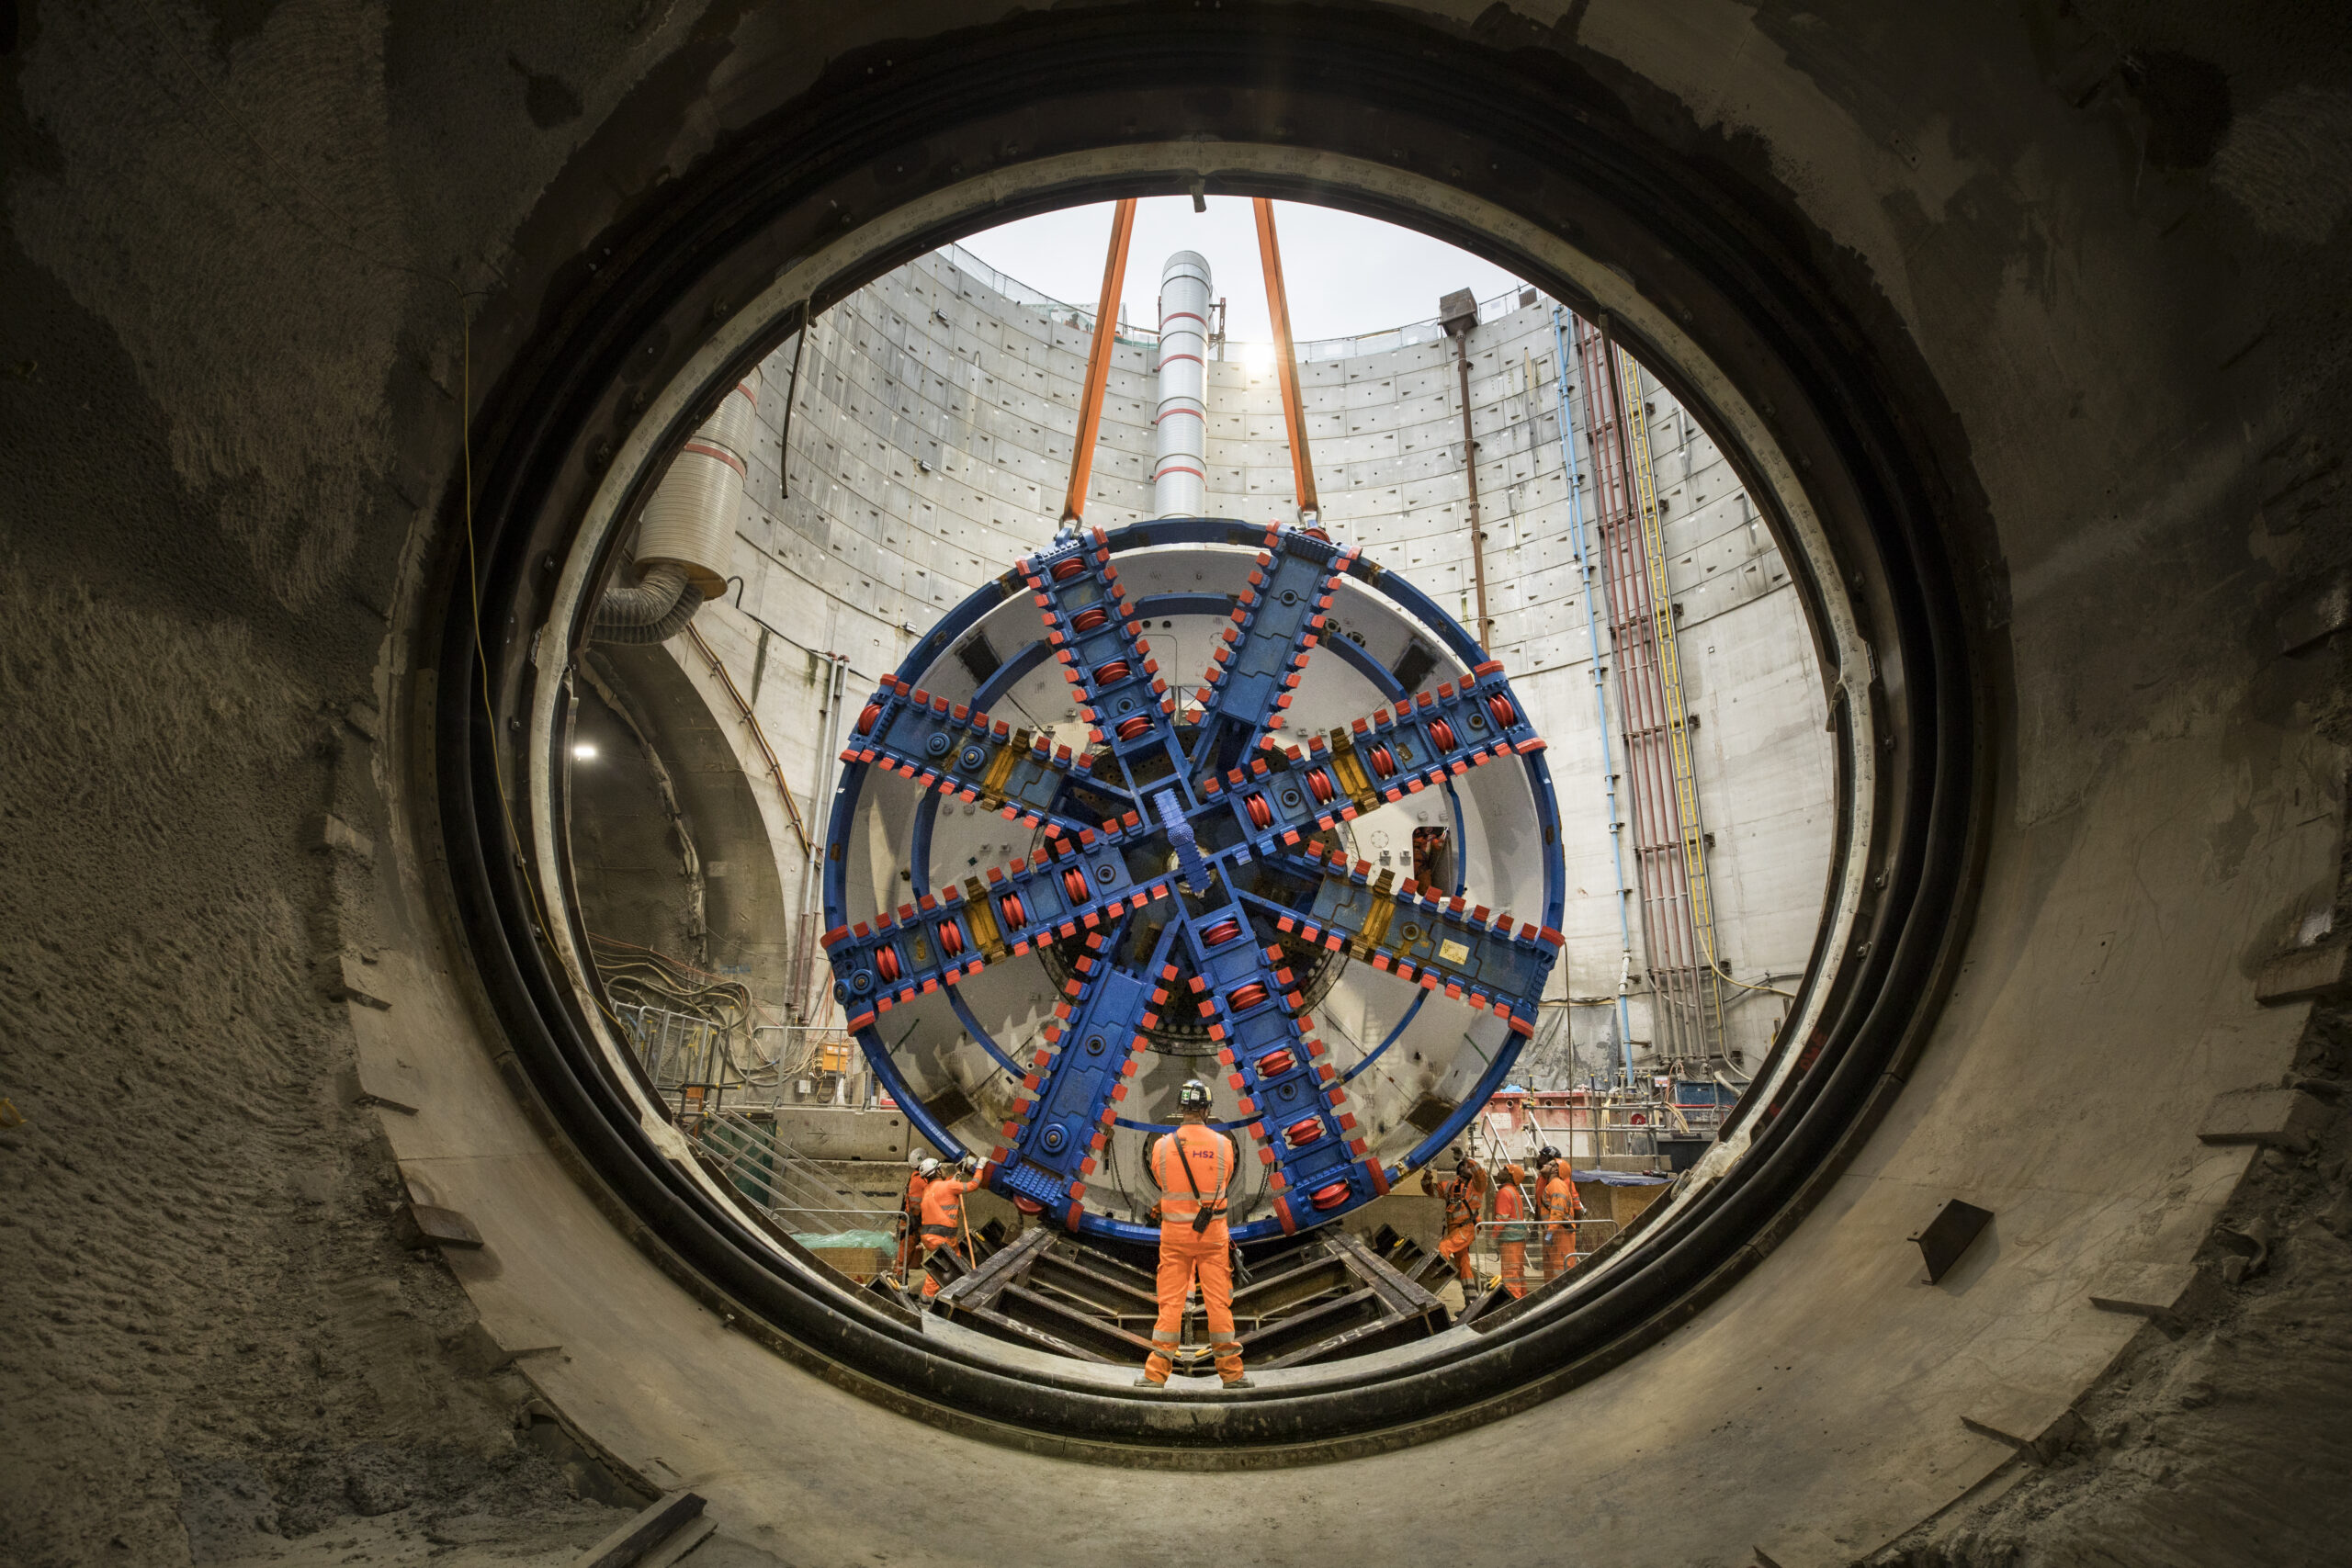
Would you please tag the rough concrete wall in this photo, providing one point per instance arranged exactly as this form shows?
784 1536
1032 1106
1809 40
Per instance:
227 337
638 869
212 1338
2193 1449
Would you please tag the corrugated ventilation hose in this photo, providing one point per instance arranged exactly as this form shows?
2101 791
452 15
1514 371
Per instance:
686 538
655 610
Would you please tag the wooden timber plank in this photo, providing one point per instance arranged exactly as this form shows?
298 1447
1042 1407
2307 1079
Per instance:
1106 1292
1313 1325
1074 1249
643 1532
1315 1276
979 1286
1398 1290
1050 1316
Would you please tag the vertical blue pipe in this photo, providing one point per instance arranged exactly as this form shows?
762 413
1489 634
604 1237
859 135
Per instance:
1587 569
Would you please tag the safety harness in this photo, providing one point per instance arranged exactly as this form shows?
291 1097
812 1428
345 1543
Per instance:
1203 1215
1460 1209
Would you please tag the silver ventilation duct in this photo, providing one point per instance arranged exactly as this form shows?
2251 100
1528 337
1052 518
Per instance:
686 540
1178 483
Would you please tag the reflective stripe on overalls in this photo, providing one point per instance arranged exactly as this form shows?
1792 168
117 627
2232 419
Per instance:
943 1222
1212 1150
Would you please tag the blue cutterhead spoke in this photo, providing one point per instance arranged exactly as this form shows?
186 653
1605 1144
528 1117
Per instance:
1100 644
1081 1070
1283 793
946 746
1288 1088
1076 886
1254 669
1447 945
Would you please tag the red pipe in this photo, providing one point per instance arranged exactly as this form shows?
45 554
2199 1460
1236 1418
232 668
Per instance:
1669 930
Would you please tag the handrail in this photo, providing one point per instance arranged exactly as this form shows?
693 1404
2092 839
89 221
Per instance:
786 1164
759 737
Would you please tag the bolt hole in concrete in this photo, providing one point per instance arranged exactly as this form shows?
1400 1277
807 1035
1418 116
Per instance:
893 767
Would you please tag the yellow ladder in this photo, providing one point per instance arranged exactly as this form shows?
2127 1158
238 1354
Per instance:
1677 728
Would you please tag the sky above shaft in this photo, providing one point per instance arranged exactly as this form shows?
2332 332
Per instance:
1344 275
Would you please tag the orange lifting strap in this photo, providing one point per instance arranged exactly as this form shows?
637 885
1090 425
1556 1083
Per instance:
1302 466
1098 361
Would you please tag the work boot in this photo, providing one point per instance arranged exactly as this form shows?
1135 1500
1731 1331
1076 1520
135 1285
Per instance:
1157 1384
1241 1382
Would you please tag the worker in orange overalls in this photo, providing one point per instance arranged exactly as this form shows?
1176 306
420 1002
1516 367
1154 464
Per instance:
911 1206
1194 1167
943 1216
1465 1199
1558 1203
1512 1231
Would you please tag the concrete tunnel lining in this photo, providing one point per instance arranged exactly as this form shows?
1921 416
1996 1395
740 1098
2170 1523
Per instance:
747 325
2163 819
748 329
746 332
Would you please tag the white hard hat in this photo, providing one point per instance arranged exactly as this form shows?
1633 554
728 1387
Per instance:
929 1167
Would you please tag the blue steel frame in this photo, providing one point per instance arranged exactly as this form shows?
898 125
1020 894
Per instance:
1237 809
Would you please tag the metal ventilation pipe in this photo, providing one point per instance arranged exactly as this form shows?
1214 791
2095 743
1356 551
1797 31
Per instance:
686 542
1179 480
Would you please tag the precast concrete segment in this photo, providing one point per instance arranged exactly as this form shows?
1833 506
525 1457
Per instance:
1850 708
2136 877
1178 476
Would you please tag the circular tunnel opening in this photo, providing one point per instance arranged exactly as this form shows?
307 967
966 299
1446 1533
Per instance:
1731 322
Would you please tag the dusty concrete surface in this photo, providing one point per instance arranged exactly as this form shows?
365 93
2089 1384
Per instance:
2220 1436
212 1338
2222 1433
238 237
220 222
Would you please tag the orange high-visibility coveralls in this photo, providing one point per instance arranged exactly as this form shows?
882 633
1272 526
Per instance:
910 1233
1466 1197
1558 1203
1187 1255
1513 1233
943 1220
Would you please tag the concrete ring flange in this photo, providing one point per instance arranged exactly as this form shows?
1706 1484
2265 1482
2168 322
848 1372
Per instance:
1746 333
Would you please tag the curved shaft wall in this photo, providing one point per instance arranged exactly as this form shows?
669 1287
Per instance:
930 430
